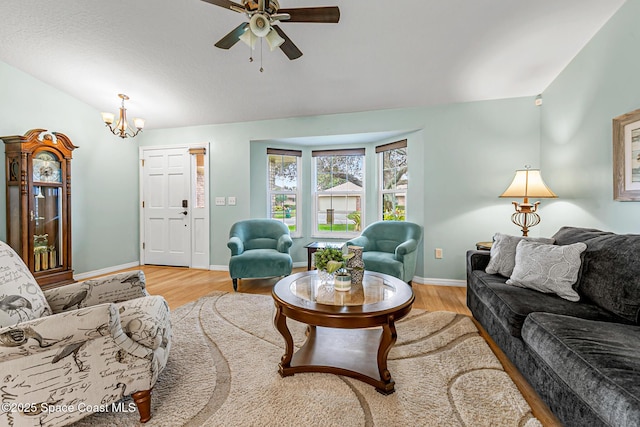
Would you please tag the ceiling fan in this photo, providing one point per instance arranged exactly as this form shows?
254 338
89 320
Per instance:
263 15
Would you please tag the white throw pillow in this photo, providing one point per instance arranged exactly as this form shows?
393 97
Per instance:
548 268
21 298
503 252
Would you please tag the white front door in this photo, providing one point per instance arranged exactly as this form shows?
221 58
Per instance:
166 206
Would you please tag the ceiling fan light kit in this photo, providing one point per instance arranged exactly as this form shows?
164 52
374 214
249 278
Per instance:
260 25
263 15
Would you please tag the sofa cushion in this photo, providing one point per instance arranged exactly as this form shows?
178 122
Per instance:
503 252
548 268
21 298
610 273
599 361
259 263
383 262
511 305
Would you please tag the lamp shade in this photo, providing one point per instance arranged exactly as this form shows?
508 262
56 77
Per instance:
274 40
138 123
108 117
249 39
528 183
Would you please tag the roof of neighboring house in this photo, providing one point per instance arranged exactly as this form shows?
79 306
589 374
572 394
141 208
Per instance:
347 186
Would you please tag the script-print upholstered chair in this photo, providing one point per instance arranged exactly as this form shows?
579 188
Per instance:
259 248
85 345
390 247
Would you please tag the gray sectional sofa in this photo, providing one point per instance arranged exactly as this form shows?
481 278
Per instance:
583 358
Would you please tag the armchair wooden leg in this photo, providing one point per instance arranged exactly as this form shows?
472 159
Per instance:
235 284
143 402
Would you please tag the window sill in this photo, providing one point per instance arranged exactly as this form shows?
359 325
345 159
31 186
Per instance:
341 236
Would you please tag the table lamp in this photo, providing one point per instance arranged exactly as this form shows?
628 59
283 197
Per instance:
527 183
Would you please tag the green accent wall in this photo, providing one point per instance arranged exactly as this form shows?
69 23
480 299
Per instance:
104 170
577 149
462 156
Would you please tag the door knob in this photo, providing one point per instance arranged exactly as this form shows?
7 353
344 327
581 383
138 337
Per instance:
184 213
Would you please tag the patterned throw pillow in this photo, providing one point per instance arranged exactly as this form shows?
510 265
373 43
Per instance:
503 252
21 298
548 268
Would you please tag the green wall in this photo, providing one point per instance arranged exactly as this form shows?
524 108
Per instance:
599 84
462 156
104 169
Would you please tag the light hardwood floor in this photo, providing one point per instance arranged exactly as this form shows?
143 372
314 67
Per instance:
180 286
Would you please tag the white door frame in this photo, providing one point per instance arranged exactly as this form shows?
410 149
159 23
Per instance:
201 258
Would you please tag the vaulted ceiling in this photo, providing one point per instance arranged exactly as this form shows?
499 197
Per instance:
382 54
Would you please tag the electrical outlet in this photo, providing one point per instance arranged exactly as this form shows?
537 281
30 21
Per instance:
438 253
231 201
220 201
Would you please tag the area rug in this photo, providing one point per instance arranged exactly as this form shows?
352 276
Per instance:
223 371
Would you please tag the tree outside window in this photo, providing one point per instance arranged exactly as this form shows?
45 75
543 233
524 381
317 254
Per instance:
339 191
394 180
283 192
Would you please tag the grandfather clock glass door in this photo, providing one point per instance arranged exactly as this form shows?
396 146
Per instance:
46 211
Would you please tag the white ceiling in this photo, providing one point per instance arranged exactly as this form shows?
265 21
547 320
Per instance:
382 54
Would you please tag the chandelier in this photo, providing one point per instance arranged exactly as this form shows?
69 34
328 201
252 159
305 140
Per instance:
122 127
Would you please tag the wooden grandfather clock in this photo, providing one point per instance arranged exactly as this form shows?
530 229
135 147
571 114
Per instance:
38 176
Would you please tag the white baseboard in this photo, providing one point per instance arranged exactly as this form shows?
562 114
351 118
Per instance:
104 271
226 267
416 279
439 282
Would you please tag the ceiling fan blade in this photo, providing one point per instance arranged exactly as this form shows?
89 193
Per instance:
289 49
227 4
329 14
232 38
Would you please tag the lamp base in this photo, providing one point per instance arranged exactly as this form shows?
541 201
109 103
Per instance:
525 220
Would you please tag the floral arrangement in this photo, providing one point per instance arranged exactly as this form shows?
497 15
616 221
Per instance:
330 259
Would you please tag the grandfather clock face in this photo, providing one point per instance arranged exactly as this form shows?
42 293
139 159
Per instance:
46 167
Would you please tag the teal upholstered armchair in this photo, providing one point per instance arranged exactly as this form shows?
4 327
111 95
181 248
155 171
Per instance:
259 248
390 247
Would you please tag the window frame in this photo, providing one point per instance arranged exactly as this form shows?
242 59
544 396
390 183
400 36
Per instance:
315 233
380 150
297 193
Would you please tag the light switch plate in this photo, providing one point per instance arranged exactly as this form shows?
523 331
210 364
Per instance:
220 201
231 201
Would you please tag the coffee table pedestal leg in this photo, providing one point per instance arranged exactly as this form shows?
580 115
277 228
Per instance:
280 322
387 340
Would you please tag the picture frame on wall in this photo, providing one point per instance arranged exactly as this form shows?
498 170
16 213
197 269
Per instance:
626 157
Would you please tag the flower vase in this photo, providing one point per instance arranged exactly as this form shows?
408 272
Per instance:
326 277
355 264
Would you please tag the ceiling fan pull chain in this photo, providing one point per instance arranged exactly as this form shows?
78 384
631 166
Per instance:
261 69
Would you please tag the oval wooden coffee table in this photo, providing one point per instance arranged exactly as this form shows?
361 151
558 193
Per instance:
349 333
